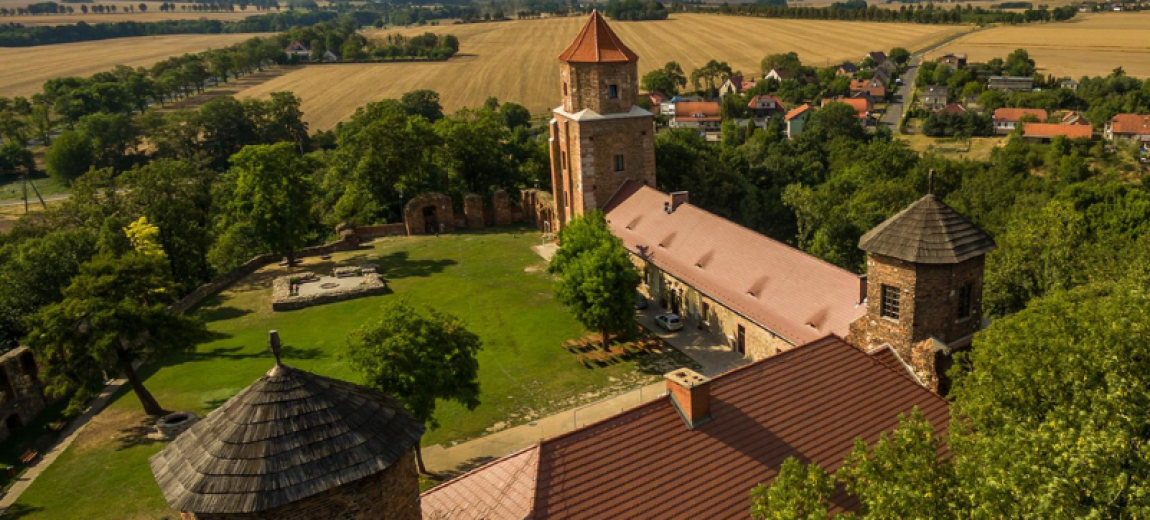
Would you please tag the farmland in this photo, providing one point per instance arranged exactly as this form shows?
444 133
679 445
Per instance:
1091 44
515 61
27 68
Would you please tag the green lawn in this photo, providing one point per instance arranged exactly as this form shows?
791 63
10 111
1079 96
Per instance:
11 188
491 280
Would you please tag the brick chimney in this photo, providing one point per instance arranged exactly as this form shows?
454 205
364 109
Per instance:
691 394
678 198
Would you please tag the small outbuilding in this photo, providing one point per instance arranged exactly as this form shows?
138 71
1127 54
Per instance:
295 445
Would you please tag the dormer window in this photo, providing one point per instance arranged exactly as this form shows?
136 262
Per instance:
612 91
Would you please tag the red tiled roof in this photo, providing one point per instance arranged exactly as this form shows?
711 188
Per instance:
1053 129
655 97
890 359
753 103
797 111
1130 124
796 295
861 105
597 43
952 109
501 490
810 402
698 111
1014 115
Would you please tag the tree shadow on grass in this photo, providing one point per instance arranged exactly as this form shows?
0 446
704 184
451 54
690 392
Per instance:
400 265
211 314
140 434
19 510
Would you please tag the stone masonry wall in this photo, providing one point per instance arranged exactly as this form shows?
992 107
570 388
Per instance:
473 210
591 147
587 86
22 394
392 494
501 205
413 213
720 320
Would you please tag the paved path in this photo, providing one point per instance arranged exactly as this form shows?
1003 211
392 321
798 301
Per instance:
67 437
706 349
902 96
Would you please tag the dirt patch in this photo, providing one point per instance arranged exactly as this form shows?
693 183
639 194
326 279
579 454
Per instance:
113 425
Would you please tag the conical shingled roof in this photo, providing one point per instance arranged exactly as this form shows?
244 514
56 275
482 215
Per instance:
288 436
597 43
928 232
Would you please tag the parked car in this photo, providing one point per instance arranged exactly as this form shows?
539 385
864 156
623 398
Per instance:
640 302
670 322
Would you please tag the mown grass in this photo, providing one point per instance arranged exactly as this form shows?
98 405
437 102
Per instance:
493 281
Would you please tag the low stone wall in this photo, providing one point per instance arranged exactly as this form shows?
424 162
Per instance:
282 300
381 230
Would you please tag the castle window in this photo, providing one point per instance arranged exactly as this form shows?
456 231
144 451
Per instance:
890 302
618 163
563 161
564 88
613 91
964 301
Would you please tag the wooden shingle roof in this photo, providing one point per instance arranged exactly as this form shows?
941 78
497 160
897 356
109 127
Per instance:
288 436
597 43
928 232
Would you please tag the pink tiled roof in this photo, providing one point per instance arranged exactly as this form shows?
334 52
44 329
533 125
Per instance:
796 295
501 490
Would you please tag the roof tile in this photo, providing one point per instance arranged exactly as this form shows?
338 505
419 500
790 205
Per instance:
597 43
927 232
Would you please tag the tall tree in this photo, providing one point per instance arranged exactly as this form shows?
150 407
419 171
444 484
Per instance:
422 103
599 283
70 156
419 359
273 194
113 313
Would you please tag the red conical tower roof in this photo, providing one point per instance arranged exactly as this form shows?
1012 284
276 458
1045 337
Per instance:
597 43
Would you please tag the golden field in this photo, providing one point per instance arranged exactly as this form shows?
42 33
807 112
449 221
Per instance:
516 61
149 16
1089 45
27 68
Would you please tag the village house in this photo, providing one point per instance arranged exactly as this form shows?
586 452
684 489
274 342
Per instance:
871 87
655 99
698 450
700 116
778 75
667 108
1074 118
763 107
1129 127
1068 84
847 69
951 109
796 119
297 50
882 62
1007 119
735 85
862 105
953 60
1044 132
1011 83
934 97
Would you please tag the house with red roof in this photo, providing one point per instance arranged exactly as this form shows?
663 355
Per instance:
862 105
701 116
1044 132
796 119
297 50
1129 127
951 109
697 451
871 87
763 107
1007 119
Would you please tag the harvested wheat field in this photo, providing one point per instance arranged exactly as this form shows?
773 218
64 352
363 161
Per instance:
27 68
1089 45
516 61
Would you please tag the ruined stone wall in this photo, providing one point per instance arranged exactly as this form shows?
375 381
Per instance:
704 312
21 393
537 207
473 211
501 206
444 214
392 494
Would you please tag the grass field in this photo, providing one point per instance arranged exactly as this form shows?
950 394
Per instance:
1091 44
516 61
493 281
27 68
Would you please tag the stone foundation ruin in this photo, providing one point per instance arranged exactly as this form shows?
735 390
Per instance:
306 289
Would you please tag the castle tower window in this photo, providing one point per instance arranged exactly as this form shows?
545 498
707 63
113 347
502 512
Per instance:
964 301
564 89
613 91
619 163
890 302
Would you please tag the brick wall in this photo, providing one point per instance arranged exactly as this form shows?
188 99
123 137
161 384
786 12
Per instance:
588 84
473 210
590 148
392 494
443 211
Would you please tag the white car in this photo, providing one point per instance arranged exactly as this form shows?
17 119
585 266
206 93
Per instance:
670 322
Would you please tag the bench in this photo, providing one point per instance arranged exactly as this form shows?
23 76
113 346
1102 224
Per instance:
29 456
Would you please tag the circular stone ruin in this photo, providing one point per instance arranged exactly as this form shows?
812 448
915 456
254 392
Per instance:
173 424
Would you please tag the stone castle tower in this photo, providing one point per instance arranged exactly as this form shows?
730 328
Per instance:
924 288
599 137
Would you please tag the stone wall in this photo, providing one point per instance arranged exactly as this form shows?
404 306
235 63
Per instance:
700 310
473 211
537 207
21 392
586 86
441 210
392 494
501 206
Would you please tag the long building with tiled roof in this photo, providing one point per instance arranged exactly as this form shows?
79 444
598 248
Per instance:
699 450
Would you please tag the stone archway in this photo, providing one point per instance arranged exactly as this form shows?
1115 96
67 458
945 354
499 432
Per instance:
428 214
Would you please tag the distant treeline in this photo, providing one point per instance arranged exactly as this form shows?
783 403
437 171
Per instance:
859 10
20 36
635 10
48 8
